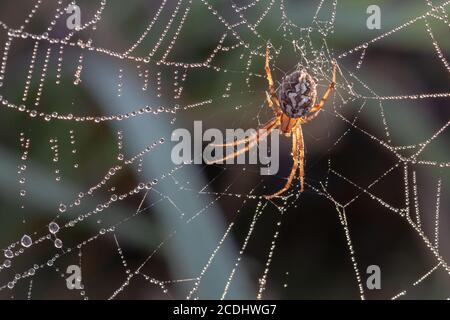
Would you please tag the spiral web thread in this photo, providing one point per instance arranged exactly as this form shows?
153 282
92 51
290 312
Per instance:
241 36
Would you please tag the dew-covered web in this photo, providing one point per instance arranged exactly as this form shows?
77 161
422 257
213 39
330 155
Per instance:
87 178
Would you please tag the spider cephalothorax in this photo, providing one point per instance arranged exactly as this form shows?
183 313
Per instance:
293 104
297 94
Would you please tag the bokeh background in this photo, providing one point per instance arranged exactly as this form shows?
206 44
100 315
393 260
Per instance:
311 259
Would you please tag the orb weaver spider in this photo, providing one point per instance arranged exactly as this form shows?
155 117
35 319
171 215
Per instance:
293 105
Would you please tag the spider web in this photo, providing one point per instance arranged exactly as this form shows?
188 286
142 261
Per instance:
86 173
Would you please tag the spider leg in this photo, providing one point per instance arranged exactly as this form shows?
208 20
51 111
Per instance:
271 95
269 73
271 100
330 89
254 136
295 157
252 143
310 118
301 156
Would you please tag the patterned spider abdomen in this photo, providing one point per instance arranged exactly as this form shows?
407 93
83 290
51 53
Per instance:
297 94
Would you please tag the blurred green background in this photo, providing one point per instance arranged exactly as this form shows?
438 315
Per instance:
156 237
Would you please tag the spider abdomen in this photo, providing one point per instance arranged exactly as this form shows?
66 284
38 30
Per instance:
297 94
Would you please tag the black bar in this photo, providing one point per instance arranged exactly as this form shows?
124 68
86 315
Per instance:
212 309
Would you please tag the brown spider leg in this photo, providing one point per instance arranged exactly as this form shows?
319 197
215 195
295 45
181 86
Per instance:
271 100
295 157
301 155
267 126
252 143
269 73
330 89
271 95
310 118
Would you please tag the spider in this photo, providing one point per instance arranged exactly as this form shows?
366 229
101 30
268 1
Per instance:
293 105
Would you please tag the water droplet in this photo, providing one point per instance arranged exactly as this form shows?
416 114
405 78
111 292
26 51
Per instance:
26 241
58 243
53 227
62 208
9 254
